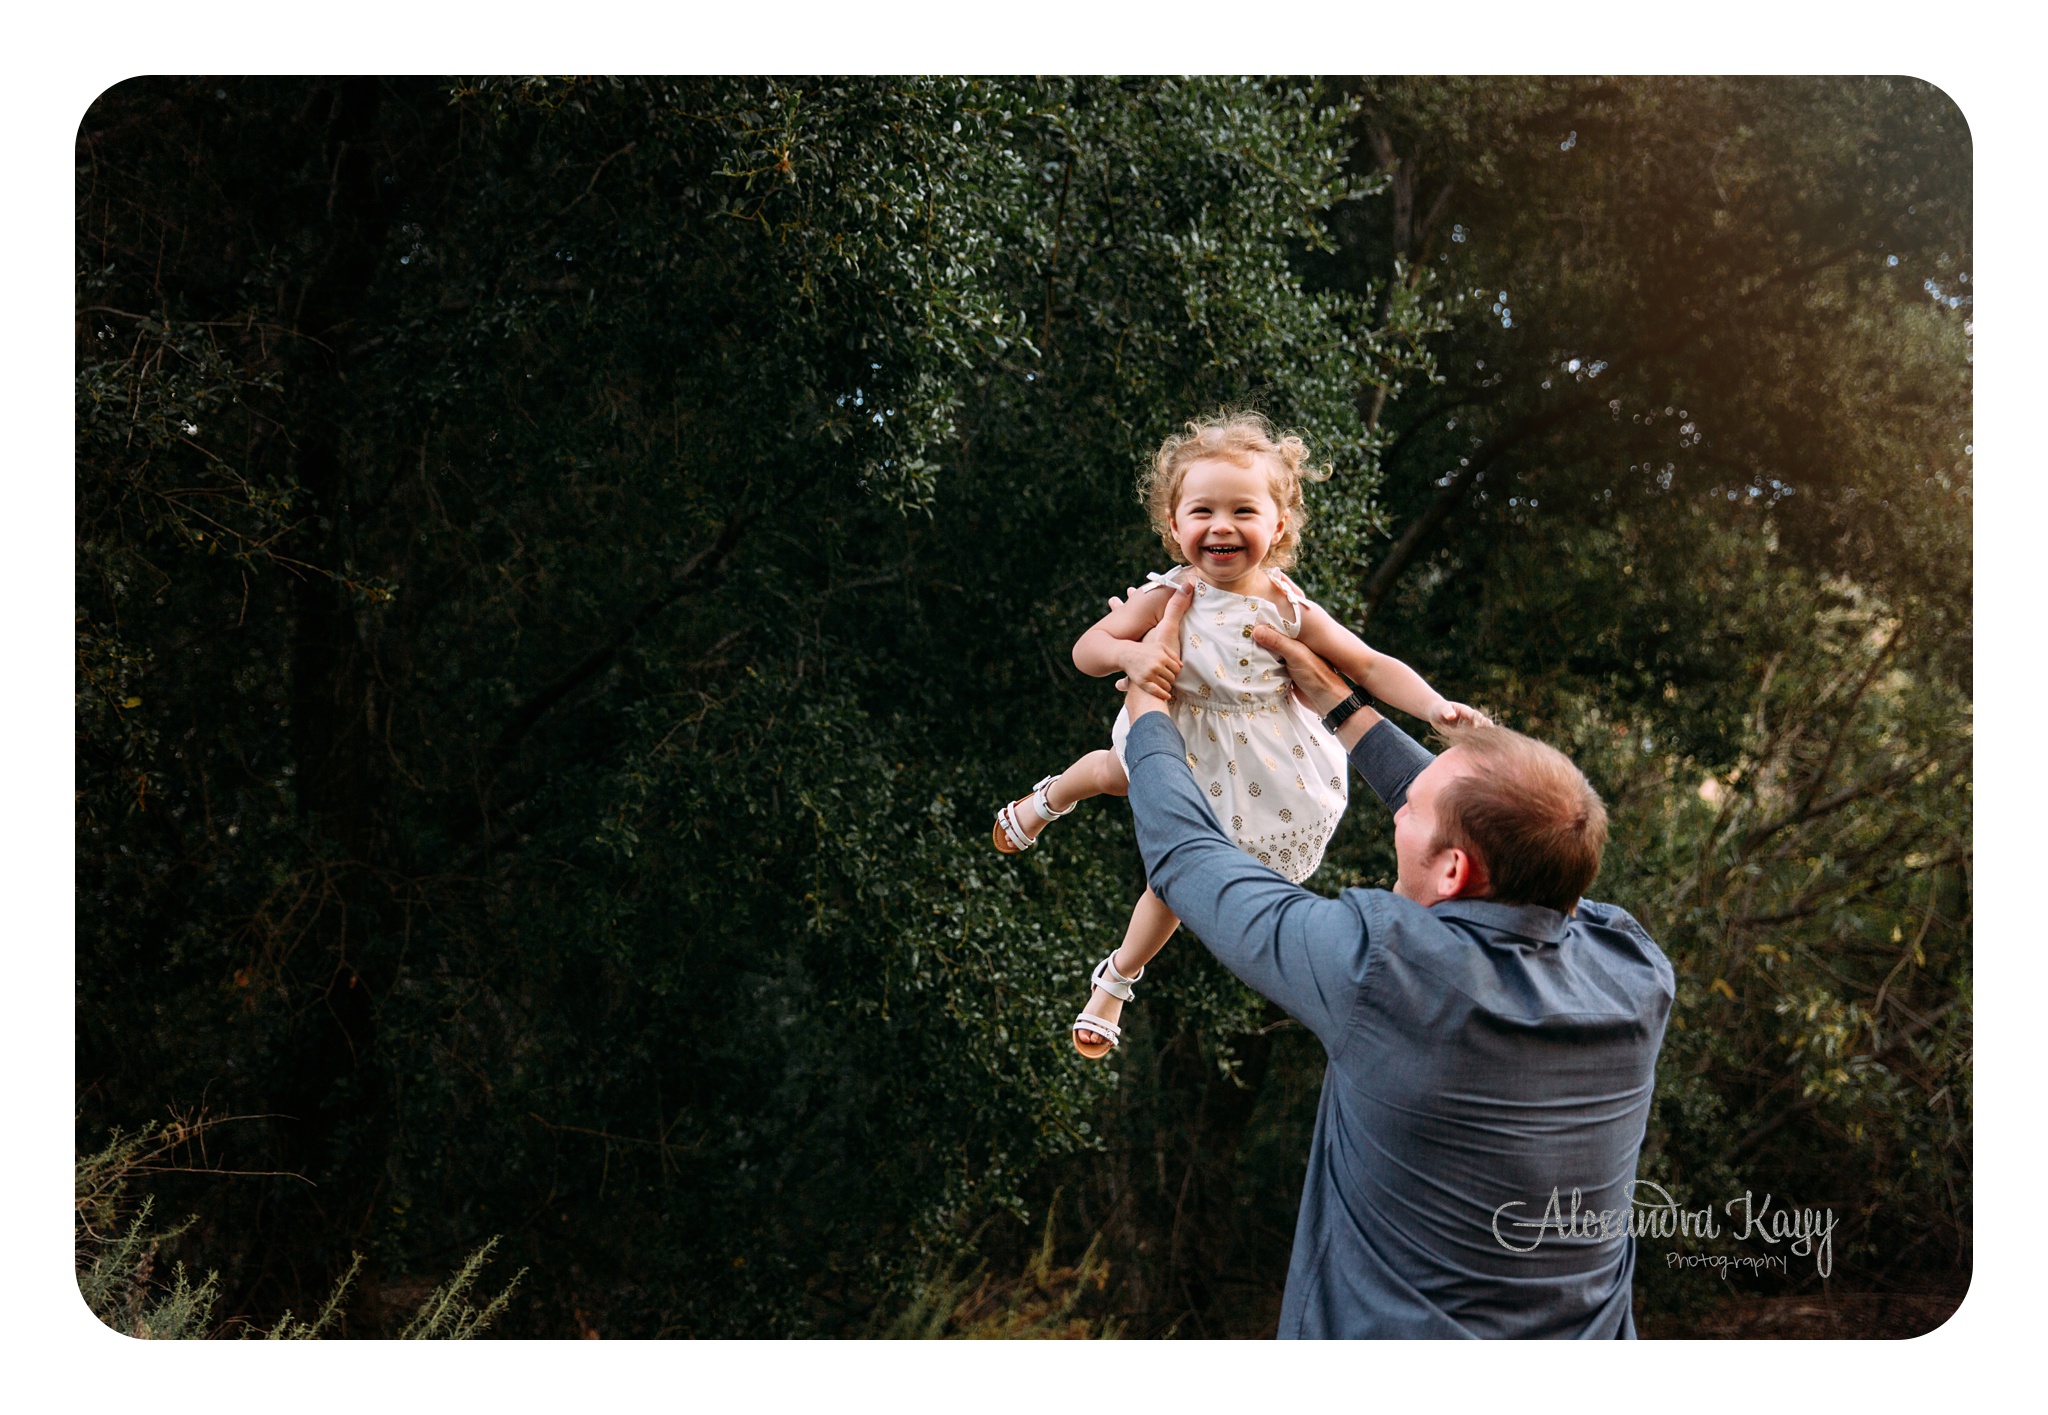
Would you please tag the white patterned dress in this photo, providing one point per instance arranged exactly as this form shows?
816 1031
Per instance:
1274 777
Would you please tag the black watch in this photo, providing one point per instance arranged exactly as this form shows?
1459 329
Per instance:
1338 715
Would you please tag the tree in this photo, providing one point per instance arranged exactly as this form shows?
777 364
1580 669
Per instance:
1686 490
1698 480
562 569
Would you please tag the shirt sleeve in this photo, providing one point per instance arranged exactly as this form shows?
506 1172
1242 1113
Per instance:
1390 760
1304 952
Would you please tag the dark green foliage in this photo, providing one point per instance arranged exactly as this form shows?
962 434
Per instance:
1704 520
118 1255
589 560
1579 550
1732 542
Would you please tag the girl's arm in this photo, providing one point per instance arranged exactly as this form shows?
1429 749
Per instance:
1383 676
1115 644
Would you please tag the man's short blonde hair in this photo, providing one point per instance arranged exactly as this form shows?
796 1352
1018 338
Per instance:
1529 816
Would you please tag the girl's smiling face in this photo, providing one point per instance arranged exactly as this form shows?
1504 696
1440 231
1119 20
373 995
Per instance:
1226 519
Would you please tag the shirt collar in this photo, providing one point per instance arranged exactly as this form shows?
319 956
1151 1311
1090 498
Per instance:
1529 921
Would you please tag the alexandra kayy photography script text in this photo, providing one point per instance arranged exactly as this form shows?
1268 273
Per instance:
1653 1213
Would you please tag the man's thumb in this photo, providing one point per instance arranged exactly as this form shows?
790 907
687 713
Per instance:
1271 639
1176 607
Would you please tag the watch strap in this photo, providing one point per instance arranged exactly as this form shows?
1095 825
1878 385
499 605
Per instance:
1336 716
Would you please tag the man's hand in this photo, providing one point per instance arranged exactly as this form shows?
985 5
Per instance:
1318 686
1141 695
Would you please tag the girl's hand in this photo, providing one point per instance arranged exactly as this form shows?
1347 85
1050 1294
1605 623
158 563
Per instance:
1152 667
1447 713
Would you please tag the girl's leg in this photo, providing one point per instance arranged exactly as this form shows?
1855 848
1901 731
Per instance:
1152 924
1096 774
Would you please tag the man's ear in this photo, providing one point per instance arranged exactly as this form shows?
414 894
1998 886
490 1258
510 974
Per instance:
1460 875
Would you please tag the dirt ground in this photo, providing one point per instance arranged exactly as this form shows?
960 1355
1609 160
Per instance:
1877 1316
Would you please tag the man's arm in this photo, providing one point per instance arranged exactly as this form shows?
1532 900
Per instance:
1388 758
1302 951
1299 949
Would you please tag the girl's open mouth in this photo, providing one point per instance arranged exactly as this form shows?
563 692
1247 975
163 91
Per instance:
1223 552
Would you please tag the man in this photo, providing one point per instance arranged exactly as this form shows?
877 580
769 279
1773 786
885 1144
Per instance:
1492 1037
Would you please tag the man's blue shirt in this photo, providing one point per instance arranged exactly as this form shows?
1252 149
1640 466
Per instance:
1482 1057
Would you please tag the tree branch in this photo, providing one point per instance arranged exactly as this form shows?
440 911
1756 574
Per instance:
706 561
1848 795
1449 498
1827 765
1453 493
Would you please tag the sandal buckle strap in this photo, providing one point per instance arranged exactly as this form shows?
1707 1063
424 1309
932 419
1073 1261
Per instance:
1088 1022
1044 802
1111 981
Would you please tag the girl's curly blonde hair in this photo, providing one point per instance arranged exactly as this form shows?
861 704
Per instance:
1240 436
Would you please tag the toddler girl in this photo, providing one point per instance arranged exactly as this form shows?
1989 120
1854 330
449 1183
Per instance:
1225 497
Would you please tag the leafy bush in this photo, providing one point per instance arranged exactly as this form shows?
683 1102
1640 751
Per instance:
117 1253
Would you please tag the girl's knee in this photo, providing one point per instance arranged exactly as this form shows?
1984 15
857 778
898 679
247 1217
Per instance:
1109 774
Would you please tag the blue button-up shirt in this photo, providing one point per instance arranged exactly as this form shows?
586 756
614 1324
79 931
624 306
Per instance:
1490 1074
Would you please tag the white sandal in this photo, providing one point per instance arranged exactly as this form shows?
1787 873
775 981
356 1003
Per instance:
1117 986
1009 832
